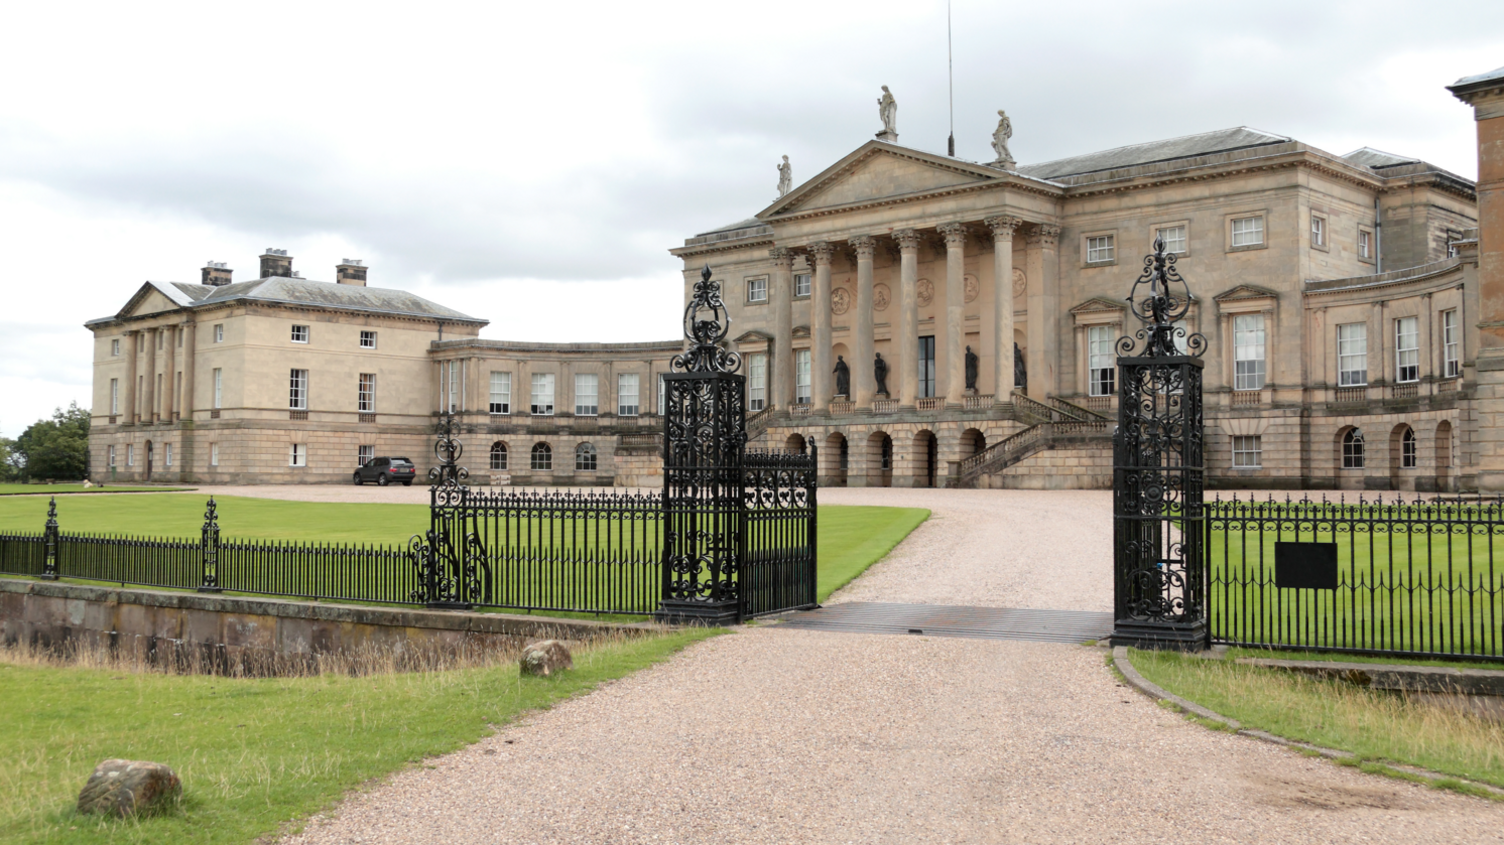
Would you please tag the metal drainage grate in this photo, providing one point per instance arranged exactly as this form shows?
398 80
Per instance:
934 620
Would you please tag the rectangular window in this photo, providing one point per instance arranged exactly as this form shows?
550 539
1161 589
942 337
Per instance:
115 348
802 389
367 340
297 395
1101 366
1407 349
1174 238
298 456
219 333
927 367
501 393
219 388
114 396
801 284
1248 231
1365 244
130 454
167 454
1352 355
1318 231
367 399
364 455
1450 337
1248 451
587 388
662 395
213 454
543 394
299 334
626 394
454 386
1248 351
757 382
112 457
1100 249
757 290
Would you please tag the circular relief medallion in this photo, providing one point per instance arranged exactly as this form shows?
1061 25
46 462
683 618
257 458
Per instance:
973 287
881 296
926 290
840 301
1020 284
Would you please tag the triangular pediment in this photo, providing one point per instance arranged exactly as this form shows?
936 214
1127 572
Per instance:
149 299
1098 303
879 171
1246 292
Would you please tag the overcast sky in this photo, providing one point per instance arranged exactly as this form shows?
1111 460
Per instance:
532 163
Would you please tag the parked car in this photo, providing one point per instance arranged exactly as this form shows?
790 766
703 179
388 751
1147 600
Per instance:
384 471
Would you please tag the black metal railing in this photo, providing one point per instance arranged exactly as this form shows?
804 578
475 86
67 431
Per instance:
374 573
1416 578
22 554
123 559
777 568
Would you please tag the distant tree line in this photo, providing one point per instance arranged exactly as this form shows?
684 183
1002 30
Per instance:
56 448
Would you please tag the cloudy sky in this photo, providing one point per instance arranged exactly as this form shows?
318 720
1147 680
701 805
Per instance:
532 163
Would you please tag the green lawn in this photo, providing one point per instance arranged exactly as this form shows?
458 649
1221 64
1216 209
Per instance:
253 754
1378 726
59 489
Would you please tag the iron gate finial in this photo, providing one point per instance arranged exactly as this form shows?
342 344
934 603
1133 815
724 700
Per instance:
705 353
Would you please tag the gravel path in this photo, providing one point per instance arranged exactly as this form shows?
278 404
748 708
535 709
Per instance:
780 736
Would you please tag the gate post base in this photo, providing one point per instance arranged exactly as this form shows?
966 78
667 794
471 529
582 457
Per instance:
1176 636
681 612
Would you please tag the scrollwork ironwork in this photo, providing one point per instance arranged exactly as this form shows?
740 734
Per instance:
1161 309
705 353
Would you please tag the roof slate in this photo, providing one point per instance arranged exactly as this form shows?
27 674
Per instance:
1370 157
308 292
1188 146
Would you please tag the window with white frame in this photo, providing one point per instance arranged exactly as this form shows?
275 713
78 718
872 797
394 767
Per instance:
1101 367
1248 351
498 456
167 454
1407 349
114 396
367 401
501 393
1247 231
662 395
297 394
364 455
367 339
1408 456
219 332
1318 231
801 284
543 394
112 457
130 454
115 348
1100 249
299 334
1352 355
1450 336
454 386
213 454
587 388
1174 238
542 457
757 382
1365 244
627 387
584 458
298 456
1354 449
757 289
219 388
802 385
1247 451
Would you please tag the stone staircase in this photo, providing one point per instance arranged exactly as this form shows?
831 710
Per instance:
1051 425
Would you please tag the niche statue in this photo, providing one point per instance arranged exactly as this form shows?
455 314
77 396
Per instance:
843 377
1020 370
971 369
880 374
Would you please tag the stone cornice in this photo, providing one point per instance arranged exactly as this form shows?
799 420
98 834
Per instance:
1436 276
721 246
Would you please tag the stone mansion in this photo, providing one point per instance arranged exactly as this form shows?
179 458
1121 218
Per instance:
1340 295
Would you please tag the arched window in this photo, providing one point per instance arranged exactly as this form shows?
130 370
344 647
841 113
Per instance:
584 458
1352 449
1407 449
498 455
543 457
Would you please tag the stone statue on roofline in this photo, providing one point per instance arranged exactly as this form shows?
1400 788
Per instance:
785 178
887 109
1000 138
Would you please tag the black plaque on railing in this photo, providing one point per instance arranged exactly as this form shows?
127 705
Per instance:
1305 566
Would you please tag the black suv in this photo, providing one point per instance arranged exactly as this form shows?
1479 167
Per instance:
384 471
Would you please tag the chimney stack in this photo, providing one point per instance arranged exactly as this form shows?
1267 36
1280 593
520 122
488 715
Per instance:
216 273
276 262
350 272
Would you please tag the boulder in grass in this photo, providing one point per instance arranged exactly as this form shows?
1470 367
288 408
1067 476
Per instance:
545 658
129 787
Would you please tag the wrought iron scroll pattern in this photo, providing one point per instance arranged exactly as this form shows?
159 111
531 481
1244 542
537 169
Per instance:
50 542
209 548
1166 302
451 559
705 354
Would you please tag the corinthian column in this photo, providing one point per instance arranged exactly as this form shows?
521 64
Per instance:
169 387
190 337
908 317
781 388
863 385
149 409
1044 284
955 312
819 326
131 337
1002 304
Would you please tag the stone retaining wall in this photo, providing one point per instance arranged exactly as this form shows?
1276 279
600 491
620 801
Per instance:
1057 467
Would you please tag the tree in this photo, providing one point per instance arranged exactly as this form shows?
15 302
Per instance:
56 448
10 460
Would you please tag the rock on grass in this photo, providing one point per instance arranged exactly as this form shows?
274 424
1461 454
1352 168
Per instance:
128 787
545 658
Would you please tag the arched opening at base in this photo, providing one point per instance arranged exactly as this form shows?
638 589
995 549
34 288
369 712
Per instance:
879 460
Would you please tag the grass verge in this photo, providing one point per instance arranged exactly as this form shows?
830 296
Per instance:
1377 726
853 538
253 753
60 489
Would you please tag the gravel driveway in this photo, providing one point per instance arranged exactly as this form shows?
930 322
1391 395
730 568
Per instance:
781 736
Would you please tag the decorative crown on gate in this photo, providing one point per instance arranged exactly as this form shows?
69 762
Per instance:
705 353
1161 309
448 448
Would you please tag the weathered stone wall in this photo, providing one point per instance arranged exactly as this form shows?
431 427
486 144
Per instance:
1057 467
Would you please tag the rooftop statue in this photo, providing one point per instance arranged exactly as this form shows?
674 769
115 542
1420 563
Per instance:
887 109
785 178
1000 138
